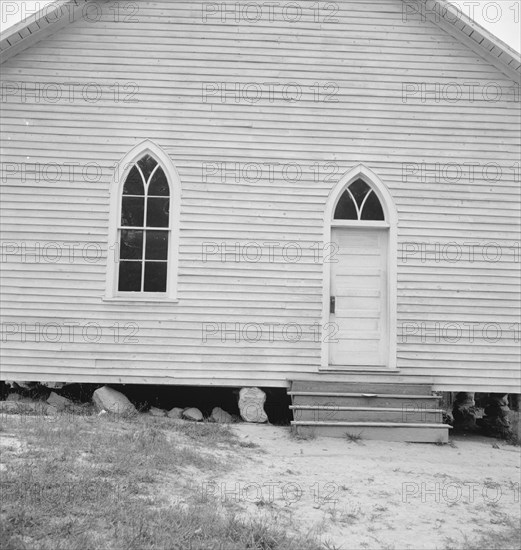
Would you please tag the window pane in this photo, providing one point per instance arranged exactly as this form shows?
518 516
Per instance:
131 245
157 245
159 184
373 209
346 209
132 211
155 276
147 165
359 189
158 212
129 276
134 183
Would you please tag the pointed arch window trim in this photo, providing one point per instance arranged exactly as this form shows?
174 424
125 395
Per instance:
123 170
391 223
349 207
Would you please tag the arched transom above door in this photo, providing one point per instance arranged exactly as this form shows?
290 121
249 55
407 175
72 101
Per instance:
359 202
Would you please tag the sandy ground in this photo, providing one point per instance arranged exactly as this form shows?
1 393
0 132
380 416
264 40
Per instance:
366 494
373 494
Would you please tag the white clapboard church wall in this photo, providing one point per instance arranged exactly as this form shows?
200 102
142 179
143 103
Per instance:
261 123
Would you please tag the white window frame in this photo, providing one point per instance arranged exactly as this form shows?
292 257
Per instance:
116 195
391 222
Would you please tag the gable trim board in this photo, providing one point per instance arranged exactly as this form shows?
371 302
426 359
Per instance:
469 33
448 17
38 26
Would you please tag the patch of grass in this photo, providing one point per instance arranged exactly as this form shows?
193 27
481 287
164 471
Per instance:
354 438
346 516
440 443
383 545
92 483
248 445
263 503
308 435
508 538
207 432
22 408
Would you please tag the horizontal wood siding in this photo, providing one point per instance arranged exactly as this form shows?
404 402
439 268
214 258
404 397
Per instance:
168 53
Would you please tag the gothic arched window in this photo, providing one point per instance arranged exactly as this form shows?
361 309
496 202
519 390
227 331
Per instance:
359 202
144 230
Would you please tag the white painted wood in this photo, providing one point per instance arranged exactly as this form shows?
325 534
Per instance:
388 297
418 433
359 284
370 131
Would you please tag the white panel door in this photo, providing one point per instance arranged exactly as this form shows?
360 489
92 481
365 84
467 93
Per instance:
359 285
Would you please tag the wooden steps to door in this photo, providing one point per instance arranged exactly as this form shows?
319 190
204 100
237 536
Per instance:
368 410
397 388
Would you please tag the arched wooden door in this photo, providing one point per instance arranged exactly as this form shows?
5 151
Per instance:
359 280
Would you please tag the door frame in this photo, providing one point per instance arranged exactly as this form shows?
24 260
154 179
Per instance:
391 223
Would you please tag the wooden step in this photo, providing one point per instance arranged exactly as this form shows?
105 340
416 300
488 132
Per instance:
383 431
399 388
407 415
364 400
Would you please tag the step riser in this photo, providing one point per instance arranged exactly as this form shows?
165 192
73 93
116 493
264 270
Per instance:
410 415
408 404
362 387
417 435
